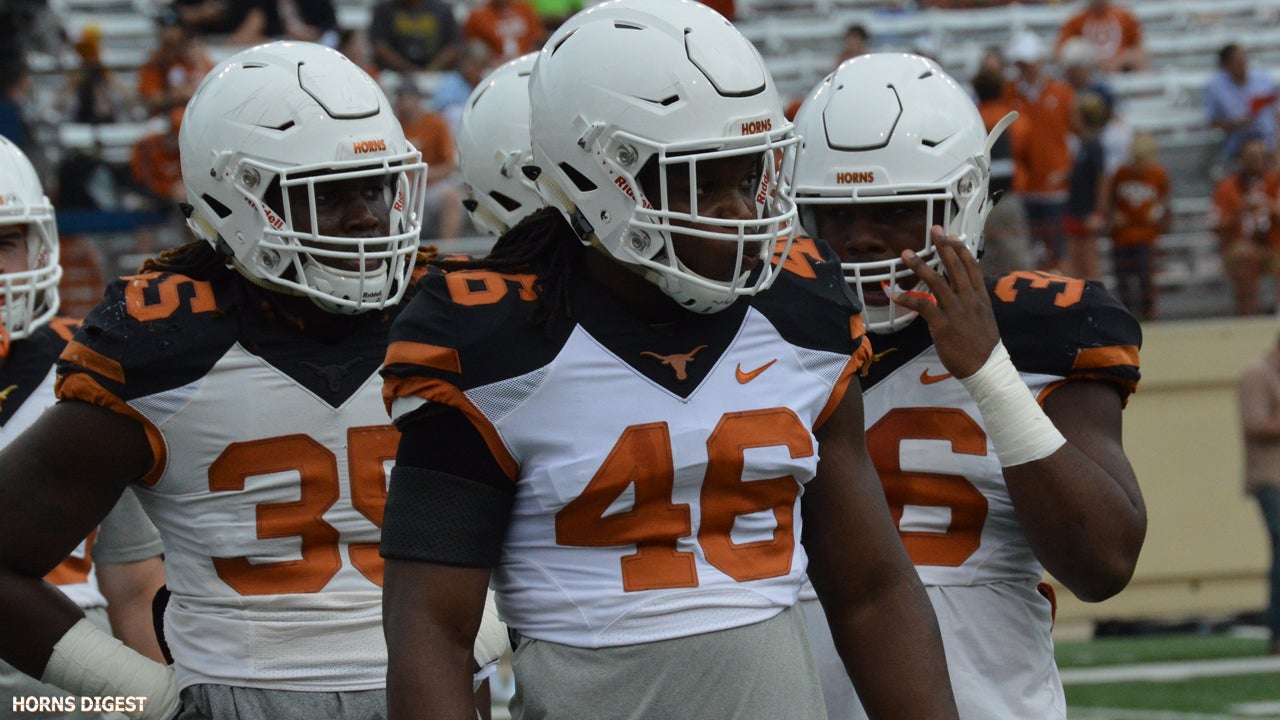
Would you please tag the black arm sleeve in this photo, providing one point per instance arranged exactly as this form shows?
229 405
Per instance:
448 501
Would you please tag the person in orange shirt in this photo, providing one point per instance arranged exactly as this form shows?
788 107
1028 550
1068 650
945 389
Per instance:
1043 165
158 170
510 28
1114 31
1247 223
429 133
1137 209
1008 235
175 67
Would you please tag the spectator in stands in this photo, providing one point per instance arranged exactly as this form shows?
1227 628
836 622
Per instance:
157 170
429 133
414 35
510 28
212 17
15 88
554 12
175 67
455 87
1043 164
307 20
1240 101
354 43
93 93
1080 69
1259 406
1082 219
1246 221
1007 234
856 41
1113 31
1137 210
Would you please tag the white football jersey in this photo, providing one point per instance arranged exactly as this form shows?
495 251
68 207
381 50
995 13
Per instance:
268 486
657 472
946 490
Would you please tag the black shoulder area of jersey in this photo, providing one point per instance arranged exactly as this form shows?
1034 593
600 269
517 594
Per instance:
29 362
153 332
474 327
1066 326
809 302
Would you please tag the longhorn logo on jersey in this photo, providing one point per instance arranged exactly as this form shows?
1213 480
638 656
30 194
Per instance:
679 363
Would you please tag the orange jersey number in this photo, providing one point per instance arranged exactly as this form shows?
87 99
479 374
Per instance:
967 504
368 450
1069 290
642 458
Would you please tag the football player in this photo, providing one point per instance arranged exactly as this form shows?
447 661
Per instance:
993 409
234 383
493 149
614 415
112 574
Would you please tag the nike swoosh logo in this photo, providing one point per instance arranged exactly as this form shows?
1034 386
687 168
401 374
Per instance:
746 377
927 379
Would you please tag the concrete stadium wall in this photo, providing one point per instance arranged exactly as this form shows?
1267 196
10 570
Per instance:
1206 551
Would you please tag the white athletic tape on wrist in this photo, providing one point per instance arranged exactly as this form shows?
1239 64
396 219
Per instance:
89 662
1018 428
492 639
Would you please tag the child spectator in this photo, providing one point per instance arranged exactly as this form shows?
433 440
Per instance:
175 67
429 132
1082 218
1138 212
1247 224
510 28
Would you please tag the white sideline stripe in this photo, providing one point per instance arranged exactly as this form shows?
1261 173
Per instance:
1169 671
1126 714
1257 709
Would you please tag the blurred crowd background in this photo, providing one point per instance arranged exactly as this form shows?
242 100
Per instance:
1144 156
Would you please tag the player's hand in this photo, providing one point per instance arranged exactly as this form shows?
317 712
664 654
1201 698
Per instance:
961 320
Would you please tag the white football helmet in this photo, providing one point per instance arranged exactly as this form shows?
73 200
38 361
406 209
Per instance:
670 82
30 296
493 147
296 114
893 128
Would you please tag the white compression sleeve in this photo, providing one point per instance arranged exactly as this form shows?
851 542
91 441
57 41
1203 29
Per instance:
89 662
1017 426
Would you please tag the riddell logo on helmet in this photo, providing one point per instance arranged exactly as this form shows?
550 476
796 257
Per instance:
855 177
399 204
764 189
753 127
273 219
368 146
625 186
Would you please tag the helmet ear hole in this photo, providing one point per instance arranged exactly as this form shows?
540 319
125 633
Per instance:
222 211
579 180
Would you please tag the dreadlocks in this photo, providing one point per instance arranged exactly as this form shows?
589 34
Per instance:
541 237
195 258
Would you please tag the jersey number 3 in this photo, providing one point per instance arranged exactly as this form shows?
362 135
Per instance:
368 450
902 488
642 457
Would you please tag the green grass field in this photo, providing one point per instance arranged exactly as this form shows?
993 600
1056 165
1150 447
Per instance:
1209 677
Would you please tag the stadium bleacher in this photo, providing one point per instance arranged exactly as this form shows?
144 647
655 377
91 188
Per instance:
800 39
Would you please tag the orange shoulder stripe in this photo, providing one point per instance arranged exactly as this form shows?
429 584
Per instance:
1106 357
88 359
446 394
432 356
79 386
860 360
